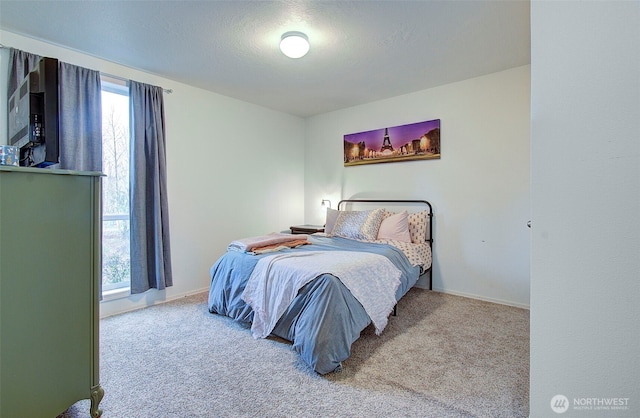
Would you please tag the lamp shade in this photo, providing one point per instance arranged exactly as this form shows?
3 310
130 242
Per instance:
294 44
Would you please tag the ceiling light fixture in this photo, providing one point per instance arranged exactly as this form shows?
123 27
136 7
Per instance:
294 44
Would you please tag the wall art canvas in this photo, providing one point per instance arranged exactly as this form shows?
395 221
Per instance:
415 141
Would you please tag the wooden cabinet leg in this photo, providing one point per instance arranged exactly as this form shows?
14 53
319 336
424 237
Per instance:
97 394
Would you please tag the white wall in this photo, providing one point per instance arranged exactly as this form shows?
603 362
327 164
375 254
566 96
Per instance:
585 153
234 170
479 188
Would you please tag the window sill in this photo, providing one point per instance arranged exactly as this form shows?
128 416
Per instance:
114 294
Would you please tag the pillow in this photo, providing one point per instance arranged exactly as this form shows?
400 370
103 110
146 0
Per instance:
361 225
418 223
332 215
395 227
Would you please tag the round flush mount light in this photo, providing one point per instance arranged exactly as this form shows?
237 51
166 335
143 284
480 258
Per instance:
294 44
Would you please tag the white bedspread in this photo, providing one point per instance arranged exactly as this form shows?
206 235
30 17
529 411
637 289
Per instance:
275 281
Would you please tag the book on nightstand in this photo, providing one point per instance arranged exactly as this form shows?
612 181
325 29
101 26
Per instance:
306 229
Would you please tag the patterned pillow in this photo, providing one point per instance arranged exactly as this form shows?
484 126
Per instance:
387 214
361 225
418 224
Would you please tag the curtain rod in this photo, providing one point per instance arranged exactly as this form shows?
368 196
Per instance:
168 91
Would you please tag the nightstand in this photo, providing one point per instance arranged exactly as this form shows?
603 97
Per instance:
306 229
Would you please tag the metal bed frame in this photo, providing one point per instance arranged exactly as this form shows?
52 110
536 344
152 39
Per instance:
429 232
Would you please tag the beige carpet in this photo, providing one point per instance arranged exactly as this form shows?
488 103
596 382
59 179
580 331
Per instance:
469 355
441 356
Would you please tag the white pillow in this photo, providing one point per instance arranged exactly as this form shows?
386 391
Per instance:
361 225
330 221
332 216
395 227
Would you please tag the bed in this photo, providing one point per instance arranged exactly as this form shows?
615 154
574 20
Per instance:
320 291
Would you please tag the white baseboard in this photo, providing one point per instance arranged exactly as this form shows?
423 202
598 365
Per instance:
135 302
132 305
484 298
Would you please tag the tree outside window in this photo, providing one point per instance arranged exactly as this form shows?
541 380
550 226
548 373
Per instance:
115 187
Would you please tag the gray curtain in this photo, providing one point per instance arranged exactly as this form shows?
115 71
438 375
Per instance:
149 221
19 62
80 118
80 107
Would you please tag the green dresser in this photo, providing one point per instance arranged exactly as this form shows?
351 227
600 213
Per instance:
49 282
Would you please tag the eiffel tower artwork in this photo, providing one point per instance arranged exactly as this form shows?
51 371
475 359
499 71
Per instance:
386 142
413 141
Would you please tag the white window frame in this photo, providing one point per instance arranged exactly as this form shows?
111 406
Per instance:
122 289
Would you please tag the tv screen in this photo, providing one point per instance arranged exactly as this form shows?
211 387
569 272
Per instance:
33 115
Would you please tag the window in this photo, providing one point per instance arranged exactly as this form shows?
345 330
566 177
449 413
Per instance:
116 270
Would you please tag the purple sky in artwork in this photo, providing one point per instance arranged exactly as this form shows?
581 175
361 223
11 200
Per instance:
399 135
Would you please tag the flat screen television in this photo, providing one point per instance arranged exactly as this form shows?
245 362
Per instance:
33 115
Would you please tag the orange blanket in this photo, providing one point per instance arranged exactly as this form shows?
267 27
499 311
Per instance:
268 242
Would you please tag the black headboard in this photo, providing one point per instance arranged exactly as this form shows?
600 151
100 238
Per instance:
407 203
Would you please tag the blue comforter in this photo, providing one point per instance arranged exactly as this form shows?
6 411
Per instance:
324 319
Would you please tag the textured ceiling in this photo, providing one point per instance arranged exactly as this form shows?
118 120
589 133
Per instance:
361 51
